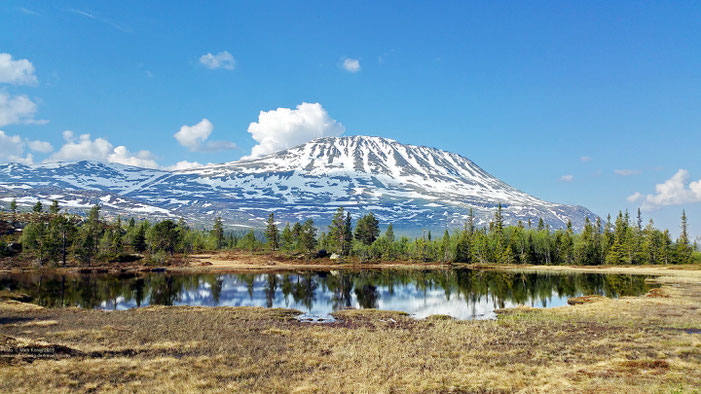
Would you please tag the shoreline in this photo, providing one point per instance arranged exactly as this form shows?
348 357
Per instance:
239 262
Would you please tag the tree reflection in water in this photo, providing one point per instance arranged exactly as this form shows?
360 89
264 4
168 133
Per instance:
473 292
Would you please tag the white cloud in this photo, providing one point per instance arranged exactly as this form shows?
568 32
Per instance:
626 172
283 128
222 59
195 137
18 72
17 109
184 165
351 65
100 149
567 178
634 197
142 158
12 149
40 146
676 190
585 159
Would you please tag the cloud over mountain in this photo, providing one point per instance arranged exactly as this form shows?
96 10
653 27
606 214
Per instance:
283 128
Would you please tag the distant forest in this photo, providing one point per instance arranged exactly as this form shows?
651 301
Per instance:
52 237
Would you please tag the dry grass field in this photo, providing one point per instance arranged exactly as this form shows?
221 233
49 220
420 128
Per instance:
650 343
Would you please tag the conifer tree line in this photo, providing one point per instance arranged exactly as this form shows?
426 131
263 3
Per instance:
55 237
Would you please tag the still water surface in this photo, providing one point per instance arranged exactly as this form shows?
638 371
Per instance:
461 293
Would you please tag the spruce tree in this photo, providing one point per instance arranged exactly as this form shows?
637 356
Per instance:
446 250
471 222
389 233
347 235
218 233
367 229
138 240
271 233
684 250
38 208
297 235
308 237
287 239
336 233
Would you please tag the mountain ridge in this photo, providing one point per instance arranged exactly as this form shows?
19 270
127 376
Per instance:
408 185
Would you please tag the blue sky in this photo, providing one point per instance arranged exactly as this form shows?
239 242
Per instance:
551 97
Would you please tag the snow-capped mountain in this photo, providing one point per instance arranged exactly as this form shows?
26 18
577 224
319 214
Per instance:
413 187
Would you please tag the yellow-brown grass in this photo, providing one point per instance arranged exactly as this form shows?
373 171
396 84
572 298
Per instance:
632 344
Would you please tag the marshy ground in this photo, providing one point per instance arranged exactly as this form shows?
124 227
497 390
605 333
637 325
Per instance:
650 343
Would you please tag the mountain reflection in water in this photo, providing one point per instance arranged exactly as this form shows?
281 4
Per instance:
461 293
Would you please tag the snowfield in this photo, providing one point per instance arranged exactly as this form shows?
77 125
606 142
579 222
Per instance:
409 186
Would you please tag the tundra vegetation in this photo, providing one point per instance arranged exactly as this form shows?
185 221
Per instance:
631 344
57 238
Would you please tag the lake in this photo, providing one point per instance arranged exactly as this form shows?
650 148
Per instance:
461 293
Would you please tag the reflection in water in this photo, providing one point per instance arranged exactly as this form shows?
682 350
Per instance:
461 293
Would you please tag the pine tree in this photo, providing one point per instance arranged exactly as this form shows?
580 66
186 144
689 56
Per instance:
38 208
13 206
54 208
271 233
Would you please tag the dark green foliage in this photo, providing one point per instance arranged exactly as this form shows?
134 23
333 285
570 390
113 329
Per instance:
58 237
218 233
271 233
367 229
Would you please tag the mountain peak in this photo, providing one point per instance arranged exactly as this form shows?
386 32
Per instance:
410 186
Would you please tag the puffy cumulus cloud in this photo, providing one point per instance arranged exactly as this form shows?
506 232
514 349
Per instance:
567 178
18 72
195 138
634 197
40 146
626 172
99 149
351 65
17 109
676 190
142 158
222 59
13 148
184 165
283 128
